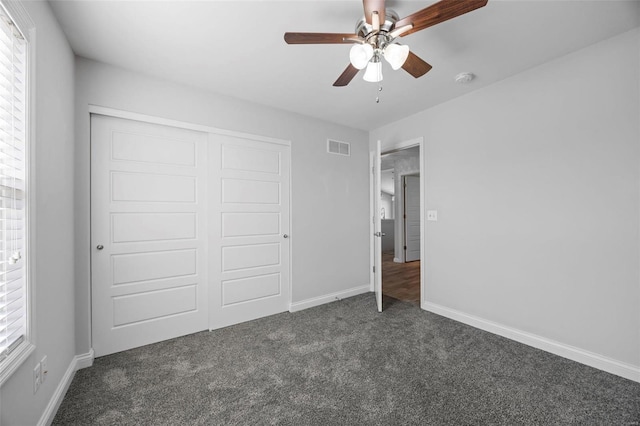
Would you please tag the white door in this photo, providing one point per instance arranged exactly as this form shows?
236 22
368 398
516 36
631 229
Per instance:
249 238
148 230
377 227
412 218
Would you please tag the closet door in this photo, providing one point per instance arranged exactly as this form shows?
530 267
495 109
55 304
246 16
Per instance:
249 239
148 233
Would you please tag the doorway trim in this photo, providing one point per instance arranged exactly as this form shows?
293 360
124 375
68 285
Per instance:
387 149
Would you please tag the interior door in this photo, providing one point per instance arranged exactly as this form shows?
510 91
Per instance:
377 225
412 217
148 228
249 237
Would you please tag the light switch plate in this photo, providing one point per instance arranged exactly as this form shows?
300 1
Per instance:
432 215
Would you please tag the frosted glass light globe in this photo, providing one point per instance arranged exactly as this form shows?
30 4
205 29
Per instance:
360 55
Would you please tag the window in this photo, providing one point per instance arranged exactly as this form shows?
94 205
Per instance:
13 188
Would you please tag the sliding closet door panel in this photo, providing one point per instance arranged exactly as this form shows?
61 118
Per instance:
148 233
248 229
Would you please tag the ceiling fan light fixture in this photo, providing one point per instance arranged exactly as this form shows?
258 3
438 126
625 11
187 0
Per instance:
377 30
396 55
373 73
360 55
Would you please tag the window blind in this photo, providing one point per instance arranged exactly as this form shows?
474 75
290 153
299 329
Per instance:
13 300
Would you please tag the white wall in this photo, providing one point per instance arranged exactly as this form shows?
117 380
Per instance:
54 292
330 196
386 203
536 183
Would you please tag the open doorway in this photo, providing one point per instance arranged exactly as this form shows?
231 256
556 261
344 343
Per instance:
400 211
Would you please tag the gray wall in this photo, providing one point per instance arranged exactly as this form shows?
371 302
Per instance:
386 203
330 193
536 183
54 292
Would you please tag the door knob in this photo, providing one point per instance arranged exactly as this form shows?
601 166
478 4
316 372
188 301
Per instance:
285 236
100 247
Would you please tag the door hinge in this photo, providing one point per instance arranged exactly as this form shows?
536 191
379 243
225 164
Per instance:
374 269
405 247
373 170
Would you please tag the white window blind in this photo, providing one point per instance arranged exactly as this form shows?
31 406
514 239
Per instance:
13 297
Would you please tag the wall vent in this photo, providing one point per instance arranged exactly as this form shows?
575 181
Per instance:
337 147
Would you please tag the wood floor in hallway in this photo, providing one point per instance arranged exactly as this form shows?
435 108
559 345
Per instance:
400 280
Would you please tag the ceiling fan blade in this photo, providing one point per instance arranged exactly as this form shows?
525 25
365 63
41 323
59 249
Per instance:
371 6
320 38
439 12
346 77
415 66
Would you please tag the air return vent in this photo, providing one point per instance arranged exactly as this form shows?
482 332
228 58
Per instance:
337 147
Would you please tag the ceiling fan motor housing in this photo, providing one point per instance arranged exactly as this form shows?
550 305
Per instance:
378 39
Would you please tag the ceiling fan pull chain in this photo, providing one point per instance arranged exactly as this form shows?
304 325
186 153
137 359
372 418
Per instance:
378 97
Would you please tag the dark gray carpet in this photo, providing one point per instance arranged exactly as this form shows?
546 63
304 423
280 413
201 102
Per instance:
344 363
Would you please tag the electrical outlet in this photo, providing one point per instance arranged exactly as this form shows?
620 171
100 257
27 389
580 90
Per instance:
37 376
44 370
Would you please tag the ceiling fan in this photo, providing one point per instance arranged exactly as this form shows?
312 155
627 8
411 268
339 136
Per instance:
375 35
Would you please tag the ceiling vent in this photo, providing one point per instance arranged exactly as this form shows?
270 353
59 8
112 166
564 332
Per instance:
337 147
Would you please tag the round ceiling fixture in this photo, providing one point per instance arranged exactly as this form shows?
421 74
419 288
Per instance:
464 77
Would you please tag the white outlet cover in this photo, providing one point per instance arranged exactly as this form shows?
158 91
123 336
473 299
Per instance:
432 215
44 370
37 373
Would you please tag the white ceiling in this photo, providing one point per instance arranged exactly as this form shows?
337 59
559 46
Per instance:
388 160
237 48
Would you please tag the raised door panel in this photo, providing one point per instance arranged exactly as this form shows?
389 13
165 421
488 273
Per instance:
140 227
153 149
250 224
150 188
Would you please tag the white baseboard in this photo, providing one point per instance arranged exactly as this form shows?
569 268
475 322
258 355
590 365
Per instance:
78 362
84 360
582 356
321 300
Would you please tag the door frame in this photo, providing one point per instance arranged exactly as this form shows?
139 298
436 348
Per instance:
128 115
386 149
